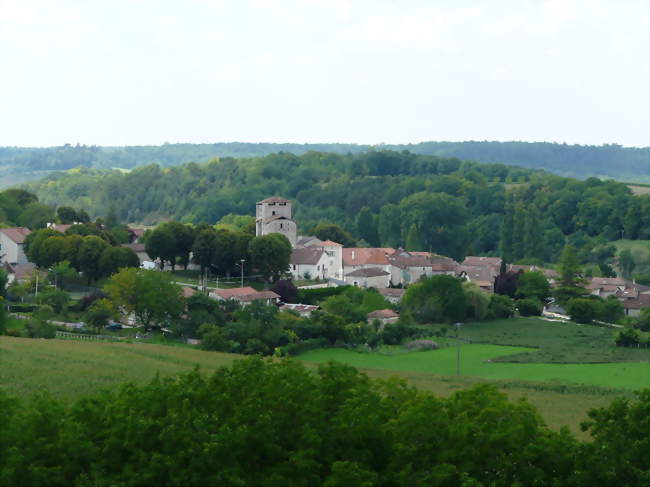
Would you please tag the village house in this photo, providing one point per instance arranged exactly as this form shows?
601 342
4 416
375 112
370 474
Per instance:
245 295
480 270
19 272
11 245
146 262
334 253
408 267
273 215
366 258
309 263
606 286
369 277
384 316
393 295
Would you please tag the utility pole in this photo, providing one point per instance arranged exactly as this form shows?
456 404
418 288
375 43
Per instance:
457 325
242 272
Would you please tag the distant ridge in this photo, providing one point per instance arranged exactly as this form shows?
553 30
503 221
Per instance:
579 161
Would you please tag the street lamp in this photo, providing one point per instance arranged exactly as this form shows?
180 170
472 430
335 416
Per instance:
457 326
242 271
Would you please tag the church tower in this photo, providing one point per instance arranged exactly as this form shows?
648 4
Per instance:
273 215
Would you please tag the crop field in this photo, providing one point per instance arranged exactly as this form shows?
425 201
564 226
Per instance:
70 369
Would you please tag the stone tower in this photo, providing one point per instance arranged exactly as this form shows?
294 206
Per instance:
273 215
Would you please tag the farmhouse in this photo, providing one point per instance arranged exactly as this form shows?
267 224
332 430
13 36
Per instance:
11 245
480 270
363 258
606 286
369 277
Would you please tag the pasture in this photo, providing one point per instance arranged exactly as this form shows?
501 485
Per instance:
69 369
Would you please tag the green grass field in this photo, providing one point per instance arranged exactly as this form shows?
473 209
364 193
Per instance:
554 342
70 369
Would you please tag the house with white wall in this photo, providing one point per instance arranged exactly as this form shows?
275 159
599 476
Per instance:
309 263
11 245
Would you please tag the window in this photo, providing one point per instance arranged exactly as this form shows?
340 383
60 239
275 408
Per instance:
280 225
294 267
318 267
273 212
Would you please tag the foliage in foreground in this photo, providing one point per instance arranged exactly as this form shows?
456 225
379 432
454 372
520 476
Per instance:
275 423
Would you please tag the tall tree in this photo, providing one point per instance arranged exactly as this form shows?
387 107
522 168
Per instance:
413 240
89 259
270 255
626 263
569 266
367 227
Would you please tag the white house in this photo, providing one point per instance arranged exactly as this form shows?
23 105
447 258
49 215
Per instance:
11 245
309 263
366 258
334 253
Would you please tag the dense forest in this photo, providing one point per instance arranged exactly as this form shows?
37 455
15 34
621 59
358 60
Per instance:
382 198
266 423
608 161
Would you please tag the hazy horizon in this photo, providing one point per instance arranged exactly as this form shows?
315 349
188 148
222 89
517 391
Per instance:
324 71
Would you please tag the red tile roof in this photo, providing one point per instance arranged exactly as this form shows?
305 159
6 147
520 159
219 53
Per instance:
274 199
363 256
234 292
382 314
16 234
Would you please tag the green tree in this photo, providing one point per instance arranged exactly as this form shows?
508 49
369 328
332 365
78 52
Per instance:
435 299
36 216
150 295
89 258
569 267
161 244
57 299
4 281
99 314
477 300
583 310
626 263
533 284
114 258
66 214
270 255
204 249
3 316
367 227
333 232
413 241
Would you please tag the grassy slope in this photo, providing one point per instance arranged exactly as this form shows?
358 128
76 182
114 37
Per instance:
72 369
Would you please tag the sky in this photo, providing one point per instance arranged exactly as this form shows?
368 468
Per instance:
134 72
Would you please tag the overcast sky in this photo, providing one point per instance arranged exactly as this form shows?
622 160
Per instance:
116 72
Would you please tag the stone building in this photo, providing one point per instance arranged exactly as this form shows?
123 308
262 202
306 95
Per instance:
273 215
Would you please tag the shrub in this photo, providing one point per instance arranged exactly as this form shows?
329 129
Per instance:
501 306
583 310
422 345
529 307
304 346
213 338
40 329
627 337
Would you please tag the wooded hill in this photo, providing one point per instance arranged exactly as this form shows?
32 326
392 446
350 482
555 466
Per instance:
608 161
382 198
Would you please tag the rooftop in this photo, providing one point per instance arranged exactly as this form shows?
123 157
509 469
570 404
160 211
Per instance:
368 272
306 255
382 314
233 292
16 234
274 199
365 256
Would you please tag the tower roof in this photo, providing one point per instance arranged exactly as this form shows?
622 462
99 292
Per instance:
274 199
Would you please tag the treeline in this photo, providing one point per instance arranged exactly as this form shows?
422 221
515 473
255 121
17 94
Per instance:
610 161
276 423
381 198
